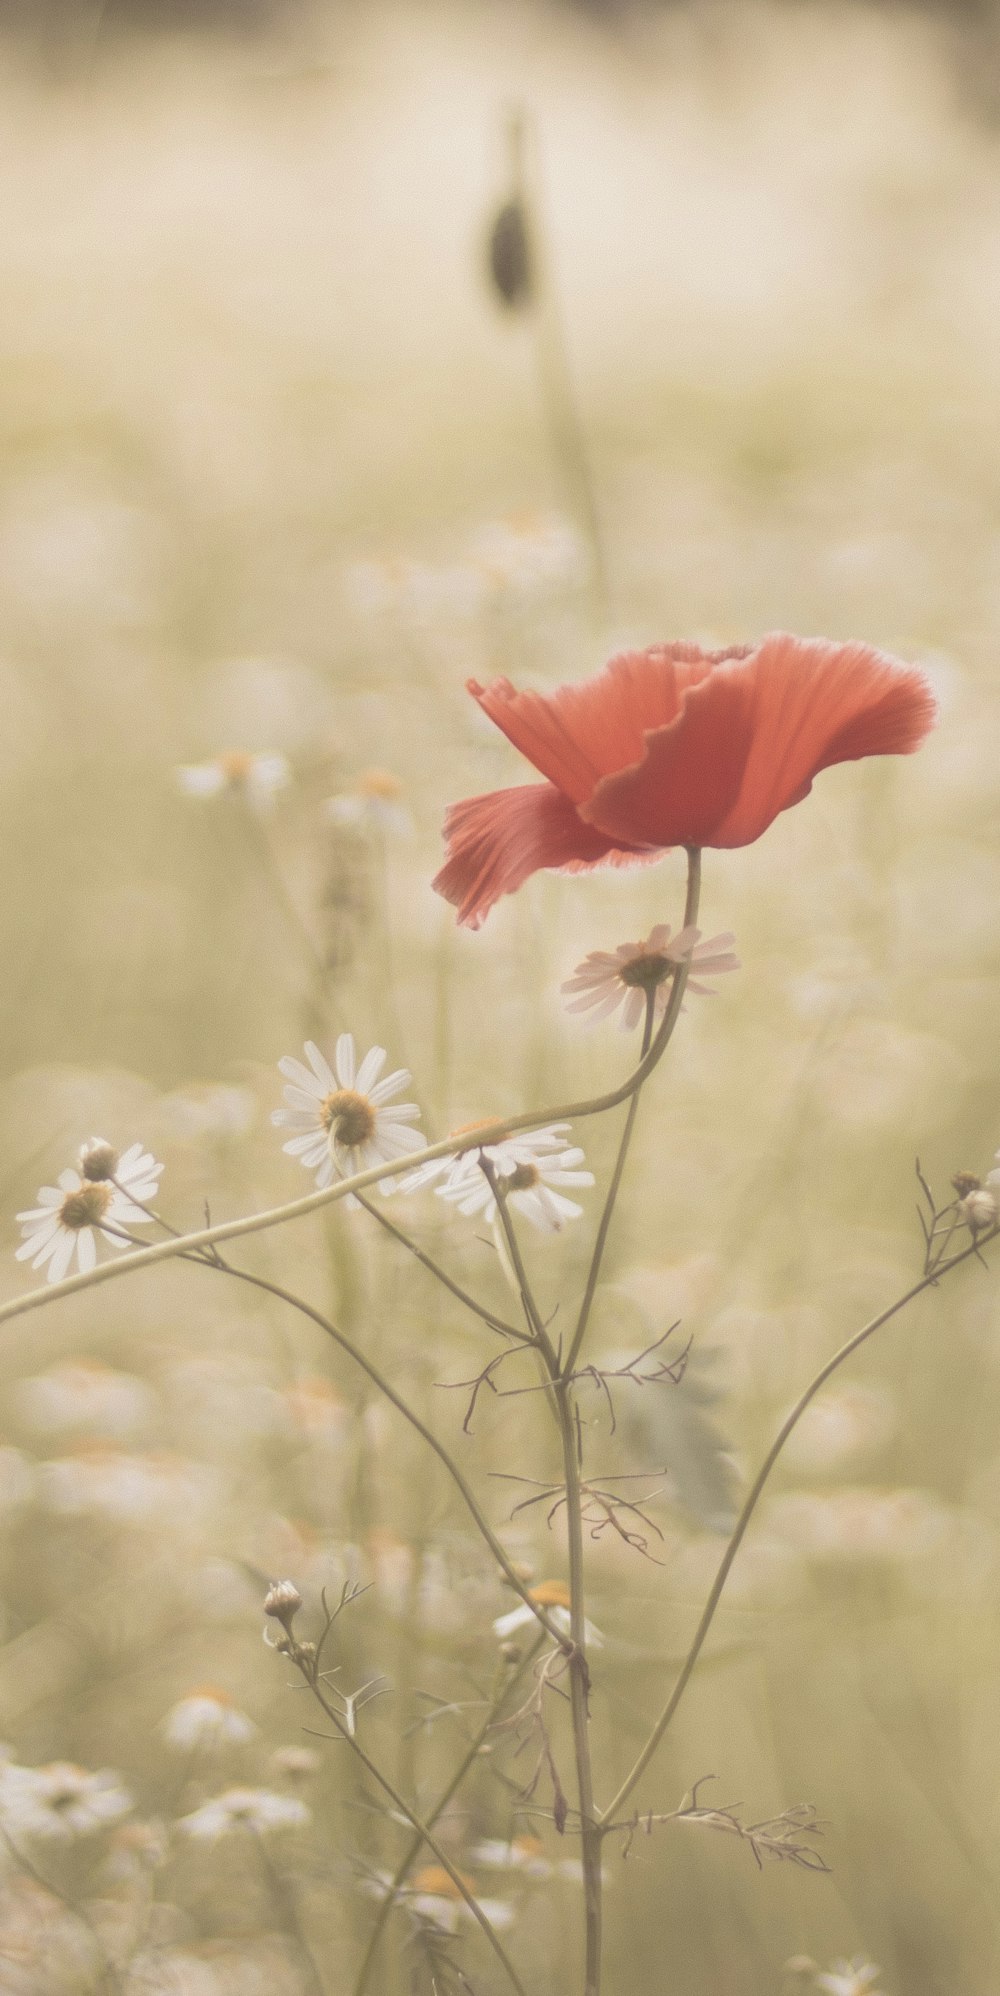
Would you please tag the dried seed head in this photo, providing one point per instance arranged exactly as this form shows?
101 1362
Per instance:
511 263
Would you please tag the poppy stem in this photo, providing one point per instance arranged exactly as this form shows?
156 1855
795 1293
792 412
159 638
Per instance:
753 1496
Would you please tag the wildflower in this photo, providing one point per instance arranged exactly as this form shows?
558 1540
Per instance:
60 1802
206 1719
340 1117
98 1196
625 977
529 1167
529 552
552 1595
372 804
523 1854
259 1810
673 746
978 1203
99 1481
257 778
82 1394
294 1763
850 1978
434 1895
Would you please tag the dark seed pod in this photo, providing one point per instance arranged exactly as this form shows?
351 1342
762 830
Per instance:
510 259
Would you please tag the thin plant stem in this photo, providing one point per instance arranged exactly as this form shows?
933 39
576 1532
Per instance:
750 1505
423 1829
579 1679
412 1852
427 1434
312 1202
434 1268
594 1271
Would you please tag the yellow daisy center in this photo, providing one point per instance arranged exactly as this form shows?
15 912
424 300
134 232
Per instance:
85 1208
522 1178
347 1117
380 784
550 1594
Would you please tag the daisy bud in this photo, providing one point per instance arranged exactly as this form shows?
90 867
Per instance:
510 1653
283 1601
979 1209
97 1160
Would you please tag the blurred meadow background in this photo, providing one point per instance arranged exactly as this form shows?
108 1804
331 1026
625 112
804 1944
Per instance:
276 476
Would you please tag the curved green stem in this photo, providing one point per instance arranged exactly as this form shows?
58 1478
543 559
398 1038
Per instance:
750 1505
594 1271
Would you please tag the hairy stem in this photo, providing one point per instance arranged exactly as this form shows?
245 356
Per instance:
750 1505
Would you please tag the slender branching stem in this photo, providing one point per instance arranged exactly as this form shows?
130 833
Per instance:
579 1680
295 1209
402 1406
434 1268
423 1829
750 1505
507 1679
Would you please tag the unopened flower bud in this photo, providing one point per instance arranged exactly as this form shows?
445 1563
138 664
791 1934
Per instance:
965 1182
283 1601
510 1652
979 1209
97 1160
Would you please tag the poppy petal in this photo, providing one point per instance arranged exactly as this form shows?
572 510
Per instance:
577 734
496 841
817 703
689 776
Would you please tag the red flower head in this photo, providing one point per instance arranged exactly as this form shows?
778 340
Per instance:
673 746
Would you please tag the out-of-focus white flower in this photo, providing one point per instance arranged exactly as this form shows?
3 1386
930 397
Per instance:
83 1396
17 1479
258 778
529 552
101 1194
524 1854
259 1810
432 1894
979 1206
529 1167
623 977
317 1410
373 803
60 1801
847 1422
553 1596
850 1978
99 1481
206 1720
859 1524
419 590
294 1763
340 1113
210 1112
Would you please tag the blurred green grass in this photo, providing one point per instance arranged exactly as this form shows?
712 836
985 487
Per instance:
247 351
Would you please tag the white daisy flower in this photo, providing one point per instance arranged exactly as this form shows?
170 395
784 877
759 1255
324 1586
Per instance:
206 1720
60 1801
529 1167
373 803
523 1854
82 1395
100 1194
432 1894
257 778
606 979
340 1116
259 1810
553 1596
850 1978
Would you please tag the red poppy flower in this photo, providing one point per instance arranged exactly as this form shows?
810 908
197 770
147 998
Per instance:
673 746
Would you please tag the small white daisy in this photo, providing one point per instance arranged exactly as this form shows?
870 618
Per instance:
529 1166
259 1810
258 778
99 1195
206 1720
340 1116
373 803
850 1978
553 1596
606 979
60 1802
